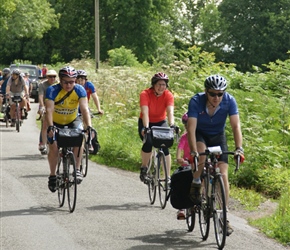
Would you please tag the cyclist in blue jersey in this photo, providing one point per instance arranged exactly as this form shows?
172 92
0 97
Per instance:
3 84
62 101
207 114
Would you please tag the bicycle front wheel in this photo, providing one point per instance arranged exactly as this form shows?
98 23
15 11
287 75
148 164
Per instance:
204 208
17 118
190 218
152 178
162 180
72 182
219 211
60 182
85 159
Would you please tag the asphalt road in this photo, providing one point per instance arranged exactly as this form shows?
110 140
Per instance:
113 210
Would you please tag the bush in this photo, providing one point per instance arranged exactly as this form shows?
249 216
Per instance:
122 57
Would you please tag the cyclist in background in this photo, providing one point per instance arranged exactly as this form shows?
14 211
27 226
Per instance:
16 86
155 103
65 114
3 84
50 80
207 114
182 156
90 89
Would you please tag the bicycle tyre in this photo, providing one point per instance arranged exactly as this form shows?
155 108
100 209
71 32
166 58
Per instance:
17 118
204 209
190 218
162 180
219 211
85 159
152 178
72 182
60 182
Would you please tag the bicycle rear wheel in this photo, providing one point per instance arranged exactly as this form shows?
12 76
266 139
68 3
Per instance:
204 209
190 218
152 178
162 180
60 182
85 159
72 182
219 211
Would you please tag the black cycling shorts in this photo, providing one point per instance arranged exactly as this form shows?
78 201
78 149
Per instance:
214 140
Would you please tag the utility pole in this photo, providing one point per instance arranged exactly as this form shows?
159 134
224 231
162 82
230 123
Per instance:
97 35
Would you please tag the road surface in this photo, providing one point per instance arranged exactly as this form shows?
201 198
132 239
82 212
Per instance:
113 210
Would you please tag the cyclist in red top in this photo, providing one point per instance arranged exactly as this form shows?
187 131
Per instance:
156 103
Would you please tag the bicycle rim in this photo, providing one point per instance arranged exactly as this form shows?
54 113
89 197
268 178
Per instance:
190 218
204 209
72 182
219 212
60 183
162 180
85 160
151 175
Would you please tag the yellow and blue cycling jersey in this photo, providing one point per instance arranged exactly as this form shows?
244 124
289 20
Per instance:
66 111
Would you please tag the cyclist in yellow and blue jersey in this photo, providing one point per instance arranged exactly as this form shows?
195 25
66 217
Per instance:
65 114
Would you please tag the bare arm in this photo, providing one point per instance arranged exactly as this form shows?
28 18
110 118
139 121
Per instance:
49 105
83 102
97 102
191 129
236 128
145 116
170 115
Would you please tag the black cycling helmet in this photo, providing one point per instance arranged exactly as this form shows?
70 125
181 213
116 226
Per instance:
81 72
16 72
215 82
67 71
159 76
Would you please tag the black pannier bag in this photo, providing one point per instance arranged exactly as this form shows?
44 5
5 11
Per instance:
162 136
95 143
180 188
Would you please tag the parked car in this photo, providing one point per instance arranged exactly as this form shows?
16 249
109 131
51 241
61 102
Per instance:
34 77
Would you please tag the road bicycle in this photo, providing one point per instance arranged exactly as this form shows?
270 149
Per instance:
157 172
18 121
66 181
213 197
86 146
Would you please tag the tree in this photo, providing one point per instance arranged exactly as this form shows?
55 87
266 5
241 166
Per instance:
27 20
257 31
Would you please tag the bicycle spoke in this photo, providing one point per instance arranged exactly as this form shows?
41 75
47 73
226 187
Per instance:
204 209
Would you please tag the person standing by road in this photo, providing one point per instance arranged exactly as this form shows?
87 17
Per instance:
207 114
50 80
156 103
62 101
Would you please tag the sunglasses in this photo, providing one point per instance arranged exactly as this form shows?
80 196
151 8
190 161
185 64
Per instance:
215 94
51 76
68 82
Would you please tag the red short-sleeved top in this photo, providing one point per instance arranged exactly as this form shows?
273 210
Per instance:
156 104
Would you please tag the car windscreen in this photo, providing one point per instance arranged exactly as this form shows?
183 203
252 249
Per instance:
32 71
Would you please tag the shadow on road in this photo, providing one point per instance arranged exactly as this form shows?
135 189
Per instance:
35 157
172 239
124 207
31 211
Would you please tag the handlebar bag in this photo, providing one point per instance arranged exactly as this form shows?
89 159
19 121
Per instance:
162 137
69 137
